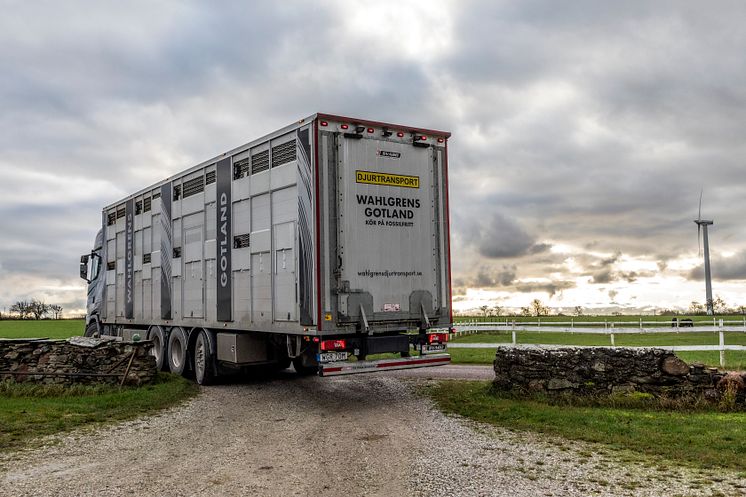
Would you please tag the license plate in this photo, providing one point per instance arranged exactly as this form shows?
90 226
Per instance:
429 349
333 356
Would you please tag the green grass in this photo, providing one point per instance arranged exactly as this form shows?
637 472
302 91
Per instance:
29 411
46 328
591 318
733 359
697 438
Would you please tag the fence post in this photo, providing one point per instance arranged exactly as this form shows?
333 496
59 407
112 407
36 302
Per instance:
612 340
640 323
538 321
514 340
722 349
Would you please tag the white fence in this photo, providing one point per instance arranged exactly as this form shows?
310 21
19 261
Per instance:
609 328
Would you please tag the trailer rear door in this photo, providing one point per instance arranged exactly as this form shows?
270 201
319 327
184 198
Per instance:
390 228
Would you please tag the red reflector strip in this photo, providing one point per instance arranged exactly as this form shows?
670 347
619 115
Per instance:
419 361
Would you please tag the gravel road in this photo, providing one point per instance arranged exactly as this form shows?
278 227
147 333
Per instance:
347 436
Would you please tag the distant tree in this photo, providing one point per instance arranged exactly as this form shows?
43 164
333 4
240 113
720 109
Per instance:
525 311
718 305
484 309
497 310
578 310
21 308
741 309
56 310
37 308
696 308
538 308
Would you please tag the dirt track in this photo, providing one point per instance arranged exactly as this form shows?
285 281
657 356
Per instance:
357 435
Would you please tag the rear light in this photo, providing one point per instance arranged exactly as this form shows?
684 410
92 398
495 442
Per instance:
370 130
324 123
422 137
441 140
333 344
345 126
400 134
437 337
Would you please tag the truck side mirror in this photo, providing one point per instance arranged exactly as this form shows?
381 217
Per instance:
84 267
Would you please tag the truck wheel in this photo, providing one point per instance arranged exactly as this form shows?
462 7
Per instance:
177 351
203 371
302 369
91 329
158 336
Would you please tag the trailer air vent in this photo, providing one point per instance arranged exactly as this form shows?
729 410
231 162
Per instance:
241 241
111 265
177 252
146 205
111 218
120 212
156 194
138 207
241 168
260 162
194 186
283 153
210 177
177 192
146 258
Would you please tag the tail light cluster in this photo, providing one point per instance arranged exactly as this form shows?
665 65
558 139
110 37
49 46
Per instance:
333 345
416 138
437 337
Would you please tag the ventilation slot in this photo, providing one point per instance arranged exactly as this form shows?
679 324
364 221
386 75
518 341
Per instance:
210 177
146 204
241 241
138 207
241 168
111 266
146 258
260 162
194 186
111 218
120 212
177 252
284 153
156 194
177 192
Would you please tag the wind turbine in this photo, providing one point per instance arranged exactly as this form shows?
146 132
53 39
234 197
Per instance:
702 225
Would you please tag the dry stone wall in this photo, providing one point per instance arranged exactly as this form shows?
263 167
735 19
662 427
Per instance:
609 370
77 360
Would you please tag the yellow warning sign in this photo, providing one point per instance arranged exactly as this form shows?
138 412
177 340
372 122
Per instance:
387 179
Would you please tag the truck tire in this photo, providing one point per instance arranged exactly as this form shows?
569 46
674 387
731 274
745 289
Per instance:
160 347
177 351
91 329
204 373
303 369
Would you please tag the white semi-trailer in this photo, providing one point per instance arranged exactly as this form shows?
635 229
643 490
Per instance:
321 244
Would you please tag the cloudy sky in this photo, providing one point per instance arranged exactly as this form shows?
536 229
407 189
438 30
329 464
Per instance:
583 131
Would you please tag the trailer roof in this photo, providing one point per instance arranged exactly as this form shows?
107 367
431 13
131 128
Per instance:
270 136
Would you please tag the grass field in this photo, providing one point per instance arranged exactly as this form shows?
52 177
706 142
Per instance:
698 438
30 411
47 328
733 359
584 319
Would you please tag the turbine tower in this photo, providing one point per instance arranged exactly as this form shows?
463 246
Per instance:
702 225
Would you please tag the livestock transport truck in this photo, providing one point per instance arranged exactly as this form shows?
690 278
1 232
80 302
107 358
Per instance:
321 244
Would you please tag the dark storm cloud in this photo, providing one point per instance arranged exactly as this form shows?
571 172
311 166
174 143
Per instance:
723 268
487 277
495 236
